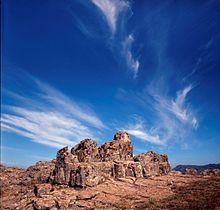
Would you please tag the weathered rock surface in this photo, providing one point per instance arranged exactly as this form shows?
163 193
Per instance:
64 163
118 149
127 168
40 172
69 171
10 175
153 164
86 151
89 165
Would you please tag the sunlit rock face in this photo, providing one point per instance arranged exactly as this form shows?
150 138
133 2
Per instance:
118 149
64 163
122 136
89 165
86 151
153 164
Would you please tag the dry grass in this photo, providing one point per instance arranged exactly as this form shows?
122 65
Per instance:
199 195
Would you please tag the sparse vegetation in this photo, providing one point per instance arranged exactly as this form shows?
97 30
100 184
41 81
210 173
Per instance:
202 195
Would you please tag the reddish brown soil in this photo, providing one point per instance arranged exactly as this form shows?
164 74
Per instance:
165 192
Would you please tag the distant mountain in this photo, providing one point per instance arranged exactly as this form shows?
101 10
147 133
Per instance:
199 168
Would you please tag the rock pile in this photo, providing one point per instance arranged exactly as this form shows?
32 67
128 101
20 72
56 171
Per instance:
210 172
191 171
88 165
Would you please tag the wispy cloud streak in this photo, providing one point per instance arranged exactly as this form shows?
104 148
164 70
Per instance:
111 9
132 63
174 120
115 14
194 70
58 99
144 135
51 118
177 106
170 120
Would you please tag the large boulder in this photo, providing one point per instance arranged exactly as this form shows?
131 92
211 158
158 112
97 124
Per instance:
64 163
118 149
153 164
86 151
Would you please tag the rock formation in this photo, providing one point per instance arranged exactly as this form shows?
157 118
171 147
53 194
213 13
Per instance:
191 171
120 148
210 172
105 177
86 151
153 164
88 165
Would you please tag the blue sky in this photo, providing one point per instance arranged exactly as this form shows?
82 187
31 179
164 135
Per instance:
75 69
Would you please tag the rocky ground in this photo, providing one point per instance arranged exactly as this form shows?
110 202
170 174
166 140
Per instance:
107 177
173 191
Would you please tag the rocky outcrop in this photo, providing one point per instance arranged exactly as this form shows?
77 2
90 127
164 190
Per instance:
191 171
89 165
153 164
79 172
210 172
90 174
65 161
120 148
86 151
41 171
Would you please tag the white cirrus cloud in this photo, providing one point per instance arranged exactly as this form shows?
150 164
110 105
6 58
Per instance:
111 9
58 99
49 117
145 135
170 120
116 14
139 130
177 106
174 120
132 63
